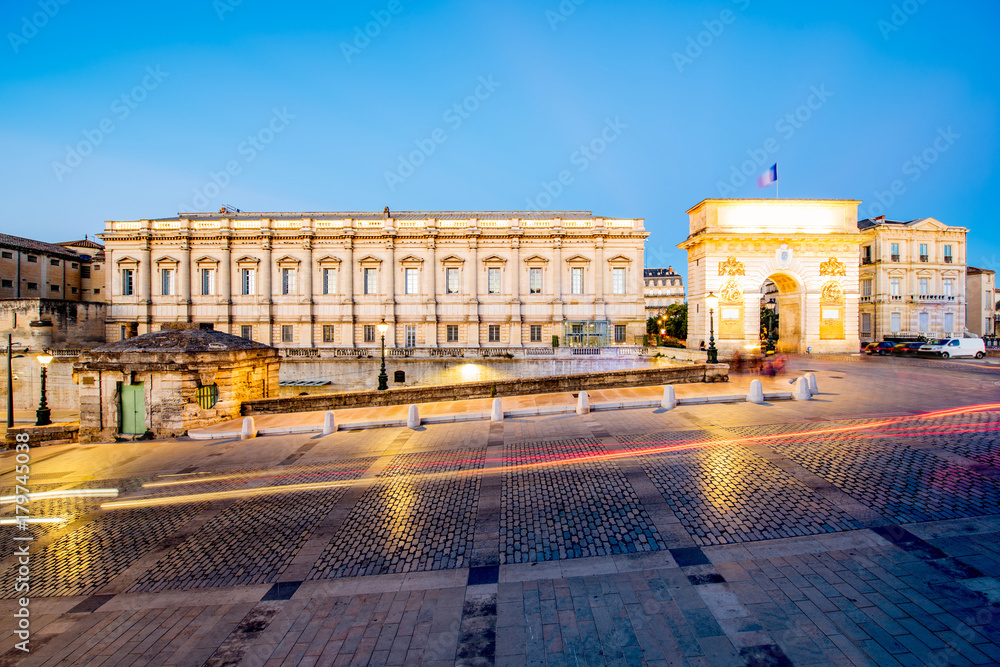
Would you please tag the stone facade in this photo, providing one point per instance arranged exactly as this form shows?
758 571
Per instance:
168 368
439 279
912 279
981 317
32 269
662 288
807 247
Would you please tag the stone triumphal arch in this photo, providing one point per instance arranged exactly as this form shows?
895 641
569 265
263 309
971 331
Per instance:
803 253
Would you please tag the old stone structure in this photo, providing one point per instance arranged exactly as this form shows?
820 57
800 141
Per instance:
807 247
32 269
662 288
912 279
439 279
170 381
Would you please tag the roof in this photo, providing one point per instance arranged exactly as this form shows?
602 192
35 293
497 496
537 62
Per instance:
870 222
31 245
768 200
85 243
659 273
379 215
182 340
976 270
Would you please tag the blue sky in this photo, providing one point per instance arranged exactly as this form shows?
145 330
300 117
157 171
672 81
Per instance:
124 110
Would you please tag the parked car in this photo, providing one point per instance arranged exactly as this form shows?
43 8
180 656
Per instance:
881 348
956 347
907 349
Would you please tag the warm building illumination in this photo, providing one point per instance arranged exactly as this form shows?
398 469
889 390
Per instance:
382 327
44 359
712 301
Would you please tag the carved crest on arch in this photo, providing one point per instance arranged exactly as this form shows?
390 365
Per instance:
831 292
832 267
731 292
732 267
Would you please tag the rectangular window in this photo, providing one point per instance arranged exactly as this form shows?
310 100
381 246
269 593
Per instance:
166 281
576 283
452 333
411 335
7 283
8 255
619 333
895 252
947 254
866 287
247 279
32 259
618 281
85 271
923 252
451 279
866 254
493 331
535 281
411 284
949 323
124 332
288 281
369 332
493 280
328 333
371 281
54 262
74 290
329 281
894 323
949 287
923 285
97 290
287 333
866 323
207 281
246 331
536 333
922 322
894 286
53 288
128 288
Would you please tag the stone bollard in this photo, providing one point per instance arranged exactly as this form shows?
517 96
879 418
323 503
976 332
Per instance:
249 429
329 423
813 388
756 394
669 400
801 390
412 417
497 414
582 404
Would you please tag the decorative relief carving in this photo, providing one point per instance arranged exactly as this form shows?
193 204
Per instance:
731 267
833 267
832 292
731 292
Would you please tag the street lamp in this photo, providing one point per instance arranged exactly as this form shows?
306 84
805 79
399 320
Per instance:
42 413
771 305
383 379
713 303
10 380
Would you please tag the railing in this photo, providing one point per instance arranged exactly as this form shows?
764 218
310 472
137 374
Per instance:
866 299
451 352
931 297
586 351
895 297
894 258
398 352
447 352
66 352
866 260
925 258
301 352
539 351
356 352
947 259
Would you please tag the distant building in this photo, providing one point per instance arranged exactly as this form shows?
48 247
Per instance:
981 312
92 269
661 288
912 279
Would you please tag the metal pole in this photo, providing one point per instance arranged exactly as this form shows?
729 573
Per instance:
383 379
713 354
43 413
10 384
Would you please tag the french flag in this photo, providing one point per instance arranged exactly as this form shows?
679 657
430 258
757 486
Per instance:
768 177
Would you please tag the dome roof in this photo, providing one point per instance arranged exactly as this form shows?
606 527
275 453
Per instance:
182 340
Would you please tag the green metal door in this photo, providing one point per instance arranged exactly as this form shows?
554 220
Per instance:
133 408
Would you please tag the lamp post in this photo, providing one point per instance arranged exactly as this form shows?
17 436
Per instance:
713 354
10 383
43 412
383 379
770 306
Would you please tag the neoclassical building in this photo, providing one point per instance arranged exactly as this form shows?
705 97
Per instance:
912 279
806 248
438 279
663 287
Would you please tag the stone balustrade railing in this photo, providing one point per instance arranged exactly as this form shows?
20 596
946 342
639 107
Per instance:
462 352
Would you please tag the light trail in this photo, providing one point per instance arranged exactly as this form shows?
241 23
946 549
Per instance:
67 493
15 522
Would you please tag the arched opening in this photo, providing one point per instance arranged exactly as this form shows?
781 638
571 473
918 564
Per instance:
787 295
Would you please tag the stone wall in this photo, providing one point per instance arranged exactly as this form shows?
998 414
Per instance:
538 385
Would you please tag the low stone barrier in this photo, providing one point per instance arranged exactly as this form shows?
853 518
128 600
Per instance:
58 433
637 377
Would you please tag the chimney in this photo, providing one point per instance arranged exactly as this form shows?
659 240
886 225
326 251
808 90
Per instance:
385 213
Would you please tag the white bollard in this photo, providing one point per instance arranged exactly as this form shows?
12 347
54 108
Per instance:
813 388
497 414
329 423
412 417
249 429
669 400
582 404
801 390
756 394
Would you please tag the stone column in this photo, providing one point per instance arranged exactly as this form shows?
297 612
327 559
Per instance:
430 283
556 280
472 289
265 289
146 285
600 273
347 276
225 290
390 291
307 294
515 302
185 280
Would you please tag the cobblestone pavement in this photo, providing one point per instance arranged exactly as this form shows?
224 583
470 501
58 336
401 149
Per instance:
852 529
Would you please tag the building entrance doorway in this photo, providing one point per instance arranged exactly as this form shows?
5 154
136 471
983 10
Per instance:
133 409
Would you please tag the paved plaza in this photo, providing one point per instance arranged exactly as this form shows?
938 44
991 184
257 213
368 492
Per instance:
861 527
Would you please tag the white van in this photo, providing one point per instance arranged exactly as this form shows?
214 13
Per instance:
956 347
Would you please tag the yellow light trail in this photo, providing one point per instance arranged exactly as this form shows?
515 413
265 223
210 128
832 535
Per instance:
15 522
67 493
